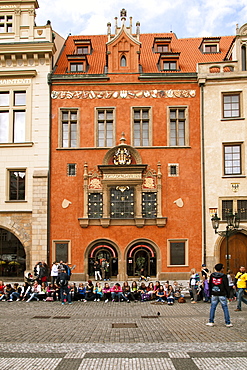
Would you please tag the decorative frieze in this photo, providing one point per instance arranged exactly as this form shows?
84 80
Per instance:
123 94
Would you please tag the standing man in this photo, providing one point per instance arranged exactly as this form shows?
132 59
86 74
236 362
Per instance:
219 291
240 283
62 281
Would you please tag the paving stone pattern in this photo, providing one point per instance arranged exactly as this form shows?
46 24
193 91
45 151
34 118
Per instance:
48 335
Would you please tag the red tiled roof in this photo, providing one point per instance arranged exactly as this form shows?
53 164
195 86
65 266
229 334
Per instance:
190 53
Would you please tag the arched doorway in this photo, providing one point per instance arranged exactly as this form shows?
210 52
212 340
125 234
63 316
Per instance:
12 255
106 251
237 245
141 256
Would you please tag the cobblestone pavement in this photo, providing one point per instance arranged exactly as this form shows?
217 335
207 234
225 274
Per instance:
48 335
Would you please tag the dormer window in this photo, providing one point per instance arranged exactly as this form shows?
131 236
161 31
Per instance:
162 45
6 23
169 65
210 45
162 48
83 47
77 63
123 61
76 67
169 62
82 50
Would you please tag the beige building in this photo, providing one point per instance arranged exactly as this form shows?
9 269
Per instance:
224 136
27 55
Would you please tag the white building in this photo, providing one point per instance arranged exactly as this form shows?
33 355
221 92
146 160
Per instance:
27 55
224 136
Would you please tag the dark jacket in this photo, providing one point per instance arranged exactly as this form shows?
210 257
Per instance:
218 285
62 279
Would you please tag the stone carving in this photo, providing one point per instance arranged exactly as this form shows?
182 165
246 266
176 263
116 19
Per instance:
148 183
66 203
95 183
122 157
179 202
124 94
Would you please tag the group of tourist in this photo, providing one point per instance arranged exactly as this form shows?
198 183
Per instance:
63 290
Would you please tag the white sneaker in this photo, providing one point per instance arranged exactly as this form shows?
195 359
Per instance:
106 300
210 324
229 325
95 300
98 300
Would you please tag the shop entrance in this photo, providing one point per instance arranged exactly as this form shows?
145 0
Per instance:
141 259
103 252
12 255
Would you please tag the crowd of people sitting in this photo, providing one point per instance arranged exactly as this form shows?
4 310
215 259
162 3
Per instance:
59 288
67 291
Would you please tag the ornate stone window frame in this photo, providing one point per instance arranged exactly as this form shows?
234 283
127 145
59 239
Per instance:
122 175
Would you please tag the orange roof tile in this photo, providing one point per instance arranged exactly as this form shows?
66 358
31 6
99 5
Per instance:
190 53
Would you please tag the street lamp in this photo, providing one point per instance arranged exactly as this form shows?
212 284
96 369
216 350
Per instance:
231 228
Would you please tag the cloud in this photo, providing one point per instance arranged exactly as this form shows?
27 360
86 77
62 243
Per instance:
187 18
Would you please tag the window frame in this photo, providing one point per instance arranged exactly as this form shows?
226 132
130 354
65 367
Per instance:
150 124
11 109
170 166
186 125
6 23
61 132
69 169
231 94
9 171
97 138
235 203
169 62
186 252
62 241
231 145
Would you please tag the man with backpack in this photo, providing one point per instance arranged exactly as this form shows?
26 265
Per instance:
219 292
240 284
62 281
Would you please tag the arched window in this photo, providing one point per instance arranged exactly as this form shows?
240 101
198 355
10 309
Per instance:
243 49
123 61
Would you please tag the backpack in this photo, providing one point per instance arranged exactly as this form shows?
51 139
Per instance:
63 282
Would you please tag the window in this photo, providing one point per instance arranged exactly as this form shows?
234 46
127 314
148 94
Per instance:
173 169
6 23
227 207
177 126
71 169
61 251
123 61
231 105
141 130
234 205
82 50
177 253
105 127
242 209
76 67
149 205
12 116
162 48
69 128
232 159
95 205
17 185
122 202
210 48
169 65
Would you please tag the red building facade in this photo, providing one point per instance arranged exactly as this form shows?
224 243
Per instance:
125 176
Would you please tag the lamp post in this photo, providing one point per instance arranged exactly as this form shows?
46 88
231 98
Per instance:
231 228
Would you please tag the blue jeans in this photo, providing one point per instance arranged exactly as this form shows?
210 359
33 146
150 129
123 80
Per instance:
214 302
240 297
65 294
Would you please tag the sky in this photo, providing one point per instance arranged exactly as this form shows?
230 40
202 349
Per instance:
186 18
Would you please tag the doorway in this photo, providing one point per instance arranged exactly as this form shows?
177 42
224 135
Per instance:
141 258
12 255
237 251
